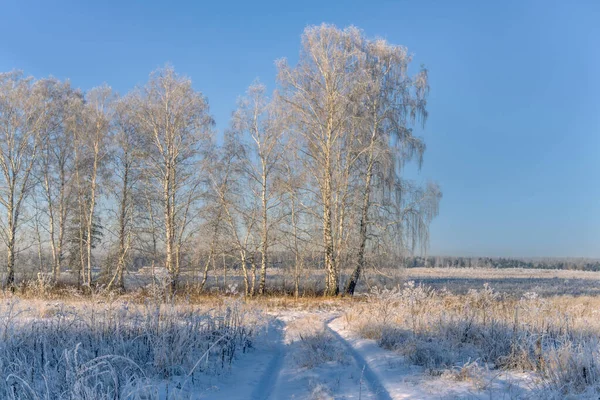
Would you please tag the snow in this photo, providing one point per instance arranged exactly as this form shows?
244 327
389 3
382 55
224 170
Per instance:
339 378
359 370
254 374
395 378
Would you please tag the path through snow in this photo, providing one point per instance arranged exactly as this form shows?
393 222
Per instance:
339 377
267 382
371 378
359 369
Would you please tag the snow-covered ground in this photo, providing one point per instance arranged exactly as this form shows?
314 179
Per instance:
313 355
228 352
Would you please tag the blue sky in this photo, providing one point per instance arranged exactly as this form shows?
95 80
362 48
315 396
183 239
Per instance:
514 130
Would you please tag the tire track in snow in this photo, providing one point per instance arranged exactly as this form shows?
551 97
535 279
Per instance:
371 378
267 382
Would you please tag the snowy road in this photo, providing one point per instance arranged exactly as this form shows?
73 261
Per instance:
264 388
357 369
338 377
371 379
385 372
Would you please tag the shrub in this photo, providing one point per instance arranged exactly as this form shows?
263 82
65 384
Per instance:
107 350
555 338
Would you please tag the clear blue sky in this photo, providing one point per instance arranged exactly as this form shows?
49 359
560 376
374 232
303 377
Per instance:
514 130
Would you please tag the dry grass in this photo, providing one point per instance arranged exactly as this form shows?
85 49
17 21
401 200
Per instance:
543 321
109 348
315 345
555 337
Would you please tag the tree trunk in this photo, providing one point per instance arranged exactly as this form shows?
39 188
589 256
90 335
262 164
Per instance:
206 266
117 279
169 228
80 204
355 276
265 238
245 271
332 287
62 221
253 269
10 248
332 284
211 253
39 241
90 220
296 250
51 222
81 273
10 268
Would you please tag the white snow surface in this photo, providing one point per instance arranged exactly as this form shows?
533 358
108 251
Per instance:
362 370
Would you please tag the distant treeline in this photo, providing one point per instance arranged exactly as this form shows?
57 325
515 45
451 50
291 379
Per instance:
578 264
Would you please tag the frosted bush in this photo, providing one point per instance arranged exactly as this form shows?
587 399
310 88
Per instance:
432 355
387 300
555 338
314 344
573 369
393 338
417 300
105 350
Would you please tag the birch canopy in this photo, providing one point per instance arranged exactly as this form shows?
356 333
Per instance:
306 183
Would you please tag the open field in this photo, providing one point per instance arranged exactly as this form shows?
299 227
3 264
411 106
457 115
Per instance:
409 341
514 281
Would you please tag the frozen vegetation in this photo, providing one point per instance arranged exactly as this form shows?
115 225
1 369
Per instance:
98 349
408 341
466 337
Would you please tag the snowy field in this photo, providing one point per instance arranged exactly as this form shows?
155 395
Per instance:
125 351
410 341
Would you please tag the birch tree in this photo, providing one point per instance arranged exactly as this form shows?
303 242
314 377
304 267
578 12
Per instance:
125 160
319 92
91 151
23 116
293 230
213 213
240 211
56 171
175 122
391 102
259 120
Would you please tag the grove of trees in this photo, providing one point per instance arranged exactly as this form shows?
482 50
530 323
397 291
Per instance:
307 179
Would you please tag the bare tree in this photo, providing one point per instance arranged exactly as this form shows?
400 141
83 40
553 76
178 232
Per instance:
240 212
391 101
91 128
259 120
319 91
37 221
175 122
125 158
293 230
214 214
56 170
148 220
23 116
